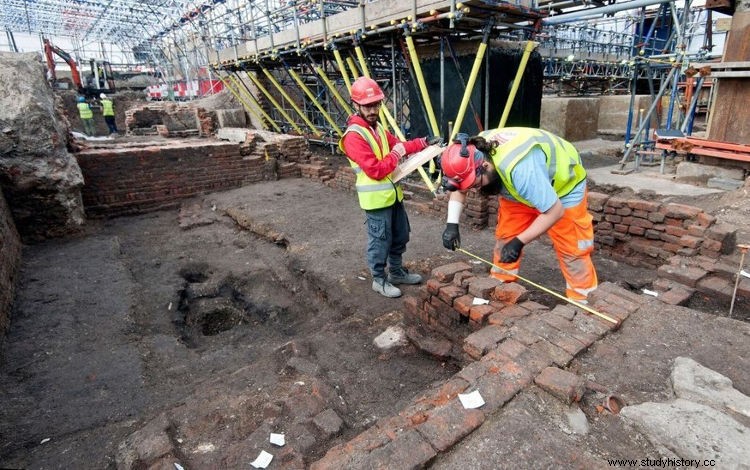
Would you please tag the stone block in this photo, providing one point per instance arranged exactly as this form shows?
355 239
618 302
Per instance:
408 450
564 385
328 423
680 211
716 287
687 275
597 200
231 118
676 295
725 184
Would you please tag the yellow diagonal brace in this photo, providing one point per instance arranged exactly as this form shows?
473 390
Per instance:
241 88
276 104
332 87
315 102
530 45
342 69
291 102
241 100
423 89
384 112
469 88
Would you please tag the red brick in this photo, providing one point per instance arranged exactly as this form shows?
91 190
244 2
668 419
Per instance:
680 211
656 217
676 231
716 287
641 223
408 450
555 336
510 293
446 272
462 278
676 296
450 292
557 355
696 231
624 211
724 233
690 241
479 313
602 226
532 306
616 202
639 204
639 231
704 220
500 387
686 275
448 424
564 385
464 304
434 286
412 305
567 326
528 359
480 342
596 201
483 287
615 219
621 228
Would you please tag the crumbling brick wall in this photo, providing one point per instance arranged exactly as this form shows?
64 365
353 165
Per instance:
647 233
170 119
10 258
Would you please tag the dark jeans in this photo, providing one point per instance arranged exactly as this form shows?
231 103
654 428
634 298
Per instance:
387 235
110 120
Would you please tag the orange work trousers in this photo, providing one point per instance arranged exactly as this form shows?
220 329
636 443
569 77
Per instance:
572 237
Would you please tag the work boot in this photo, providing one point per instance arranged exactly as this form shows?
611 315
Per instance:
402 276
385 288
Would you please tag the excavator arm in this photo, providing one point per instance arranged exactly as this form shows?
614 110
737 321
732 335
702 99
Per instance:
49 49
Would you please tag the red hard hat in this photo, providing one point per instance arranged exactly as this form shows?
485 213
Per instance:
461 170
366 91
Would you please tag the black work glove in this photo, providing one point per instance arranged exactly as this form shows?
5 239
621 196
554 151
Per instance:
437 140
511 251
451 237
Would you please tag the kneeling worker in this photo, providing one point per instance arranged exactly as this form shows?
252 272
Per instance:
542 188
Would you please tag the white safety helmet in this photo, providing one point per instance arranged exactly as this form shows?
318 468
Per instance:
102 96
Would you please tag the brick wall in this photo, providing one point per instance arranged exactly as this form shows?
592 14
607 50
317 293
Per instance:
646 233
135 180
10 258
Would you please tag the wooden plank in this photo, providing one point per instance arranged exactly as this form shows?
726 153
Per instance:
415 161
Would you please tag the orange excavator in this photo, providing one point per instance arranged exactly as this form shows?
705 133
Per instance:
100 78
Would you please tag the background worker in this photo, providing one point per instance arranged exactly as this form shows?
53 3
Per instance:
108 111
542 188
87 116
374 153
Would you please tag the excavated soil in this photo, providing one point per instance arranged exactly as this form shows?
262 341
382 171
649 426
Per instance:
207 317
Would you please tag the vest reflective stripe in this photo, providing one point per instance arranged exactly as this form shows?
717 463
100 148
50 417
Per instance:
85 111
563 163
107 108
372 193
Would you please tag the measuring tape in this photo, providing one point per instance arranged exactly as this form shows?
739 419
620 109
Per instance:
551 292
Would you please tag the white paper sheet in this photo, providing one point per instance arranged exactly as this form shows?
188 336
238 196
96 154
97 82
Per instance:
471 400
277 439
478 301
651 293
416 160
263 459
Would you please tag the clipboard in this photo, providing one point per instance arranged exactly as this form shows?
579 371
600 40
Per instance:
415 161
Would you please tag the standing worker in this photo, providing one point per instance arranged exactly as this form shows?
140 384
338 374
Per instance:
87 116
542 188
108 111
374 153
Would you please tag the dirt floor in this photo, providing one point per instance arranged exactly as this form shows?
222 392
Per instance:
189 326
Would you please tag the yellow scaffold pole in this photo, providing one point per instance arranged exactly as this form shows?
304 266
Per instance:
530 46
472 79
314 100
353 67
276 104
291 102
342 68
243 89
384 112
423 89
331 86
241 100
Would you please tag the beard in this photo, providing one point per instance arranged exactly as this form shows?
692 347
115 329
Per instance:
493 186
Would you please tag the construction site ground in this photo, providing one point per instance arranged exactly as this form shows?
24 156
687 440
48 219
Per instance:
108 334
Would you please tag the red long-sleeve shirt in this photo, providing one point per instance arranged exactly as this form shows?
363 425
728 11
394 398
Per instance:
358 150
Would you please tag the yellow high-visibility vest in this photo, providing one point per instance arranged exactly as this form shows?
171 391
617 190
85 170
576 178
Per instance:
563 162
372 193
85 111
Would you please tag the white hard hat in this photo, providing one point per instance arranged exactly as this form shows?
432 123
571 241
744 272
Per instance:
102 96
